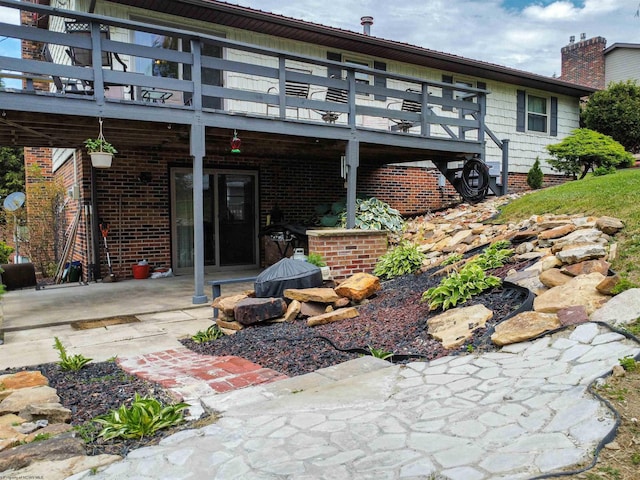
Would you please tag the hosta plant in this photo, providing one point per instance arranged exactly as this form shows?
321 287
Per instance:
494 256
459 287
401 260
374 214
145 417
211 333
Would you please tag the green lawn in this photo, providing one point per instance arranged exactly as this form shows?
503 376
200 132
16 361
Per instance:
616 195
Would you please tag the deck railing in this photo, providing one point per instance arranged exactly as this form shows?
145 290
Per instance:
191 71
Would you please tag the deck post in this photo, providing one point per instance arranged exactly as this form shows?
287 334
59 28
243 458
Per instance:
353 160
198 151
505 166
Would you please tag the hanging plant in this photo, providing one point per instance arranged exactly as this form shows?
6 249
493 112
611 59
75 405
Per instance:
100 150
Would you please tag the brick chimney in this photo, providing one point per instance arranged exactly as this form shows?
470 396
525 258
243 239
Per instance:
583 61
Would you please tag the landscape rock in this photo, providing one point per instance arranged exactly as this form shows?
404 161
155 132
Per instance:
318 294
579 290
57 448
524 326
586 267
580 253
573 315
292 311
53 411
20 399
255 310
11 419
553 278
342 302
607 285
311 309
583 235
609 225
527 279
226 304
335 316
62 469
229 324
454 327
557 232
622 309
359 286
22 380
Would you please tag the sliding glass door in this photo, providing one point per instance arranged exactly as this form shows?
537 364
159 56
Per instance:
230 219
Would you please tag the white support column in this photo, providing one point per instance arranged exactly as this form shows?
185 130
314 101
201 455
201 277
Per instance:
353 161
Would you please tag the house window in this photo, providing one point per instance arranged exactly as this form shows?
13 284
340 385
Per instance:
536 114
361 77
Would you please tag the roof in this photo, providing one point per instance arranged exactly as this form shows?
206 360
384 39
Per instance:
245 18
622 45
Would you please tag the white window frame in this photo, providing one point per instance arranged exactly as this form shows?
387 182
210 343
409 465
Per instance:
546 115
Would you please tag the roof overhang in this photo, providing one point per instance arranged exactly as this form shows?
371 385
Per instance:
244 18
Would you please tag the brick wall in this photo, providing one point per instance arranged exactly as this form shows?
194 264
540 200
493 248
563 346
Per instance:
348 251
583 62
411 190
138 213
518 181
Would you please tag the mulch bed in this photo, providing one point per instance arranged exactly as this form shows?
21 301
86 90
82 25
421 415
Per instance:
394 320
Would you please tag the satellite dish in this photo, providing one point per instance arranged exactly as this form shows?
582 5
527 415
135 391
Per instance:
14 201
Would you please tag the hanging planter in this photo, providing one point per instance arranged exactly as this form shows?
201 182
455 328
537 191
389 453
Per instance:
100 150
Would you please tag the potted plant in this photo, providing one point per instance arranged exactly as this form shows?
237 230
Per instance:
101 152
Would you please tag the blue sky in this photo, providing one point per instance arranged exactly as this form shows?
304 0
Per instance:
522 34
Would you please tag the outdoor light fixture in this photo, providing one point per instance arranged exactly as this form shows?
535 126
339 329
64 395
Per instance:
235 143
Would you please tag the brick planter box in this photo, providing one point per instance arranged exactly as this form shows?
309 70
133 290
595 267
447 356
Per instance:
348 251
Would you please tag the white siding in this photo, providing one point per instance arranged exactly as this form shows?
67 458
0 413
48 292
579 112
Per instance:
622 64
524 147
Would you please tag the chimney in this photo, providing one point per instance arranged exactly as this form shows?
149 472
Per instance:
366 23
583 61
572 38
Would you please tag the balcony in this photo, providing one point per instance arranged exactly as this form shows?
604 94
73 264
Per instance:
179 77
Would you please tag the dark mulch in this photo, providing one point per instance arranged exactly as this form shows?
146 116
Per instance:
95 390
394 320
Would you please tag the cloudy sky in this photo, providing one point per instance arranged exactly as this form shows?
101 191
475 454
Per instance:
523 34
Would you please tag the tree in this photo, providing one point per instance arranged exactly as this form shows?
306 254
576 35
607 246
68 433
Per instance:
11 170
535 175
585 149
616 112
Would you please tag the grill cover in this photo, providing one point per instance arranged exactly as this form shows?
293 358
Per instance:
287 273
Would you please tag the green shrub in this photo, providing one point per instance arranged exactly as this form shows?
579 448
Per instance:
459 287
379 353
451 259
600 171
316 259
69 363
585 149
401 260
145 417
5 251
535 175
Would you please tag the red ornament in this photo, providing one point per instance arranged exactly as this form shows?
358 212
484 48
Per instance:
235 143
